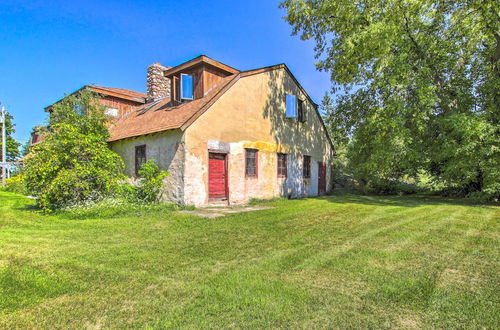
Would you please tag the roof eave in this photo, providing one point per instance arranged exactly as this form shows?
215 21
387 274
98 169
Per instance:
100 91
141 100
135 135
199 60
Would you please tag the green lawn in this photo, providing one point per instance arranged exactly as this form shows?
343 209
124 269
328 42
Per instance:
338 261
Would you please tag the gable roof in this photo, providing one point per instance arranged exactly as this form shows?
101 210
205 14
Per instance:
121 93
161 116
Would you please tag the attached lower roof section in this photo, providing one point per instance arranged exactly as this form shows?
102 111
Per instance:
121 93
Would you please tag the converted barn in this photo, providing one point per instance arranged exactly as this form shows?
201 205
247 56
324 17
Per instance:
224 135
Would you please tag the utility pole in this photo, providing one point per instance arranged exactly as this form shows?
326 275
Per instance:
4 145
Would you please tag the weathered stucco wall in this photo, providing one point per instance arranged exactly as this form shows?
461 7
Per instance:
167 148
251 114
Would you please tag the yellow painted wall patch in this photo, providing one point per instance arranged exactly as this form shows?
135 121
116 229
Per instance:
267 146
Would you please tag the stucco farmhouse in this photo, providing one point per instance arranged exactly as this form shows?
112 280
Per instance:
224 135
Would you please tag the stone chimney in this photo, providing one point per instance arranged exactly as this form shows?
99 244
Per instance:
158 86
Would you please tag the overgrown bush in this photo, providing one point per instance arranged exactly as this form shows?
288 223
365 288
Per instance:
477 196
73 164
147 188
483 197
150 183
16 185
380 187
391 188
127 192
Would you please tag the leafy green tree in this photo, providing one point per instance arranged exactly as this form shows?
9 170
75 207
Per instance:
342 173
12 146
417 85
73 163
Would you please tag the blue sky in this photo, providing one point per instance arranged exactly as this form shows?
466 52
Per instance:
49 48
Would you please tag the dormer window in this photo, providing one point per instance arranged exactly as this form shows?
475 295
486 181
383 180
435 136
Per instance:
186 87
193 79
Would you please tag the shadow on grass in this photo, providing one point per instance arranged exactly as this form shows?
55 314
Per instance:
405 200
28 207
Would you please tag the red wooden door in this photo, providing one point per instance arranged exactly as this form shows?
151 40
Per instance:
321 178
217 176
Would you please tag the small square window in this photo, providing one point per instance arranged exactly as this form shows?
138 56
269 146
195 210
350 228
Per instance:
251 162
282 165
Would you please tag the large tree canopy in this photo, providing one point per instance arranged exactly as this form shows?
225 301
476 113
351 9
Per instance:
416 85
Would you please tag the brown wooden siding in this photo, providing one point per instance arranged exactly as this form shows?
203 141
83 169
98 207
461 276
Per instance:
198 82
123 106
211 77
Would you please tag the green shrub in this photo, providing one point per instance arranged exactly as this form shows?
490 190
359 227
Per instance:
150 182
483 197
383 187
407 188
476 196
380 187
127 192
16 185
75 186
